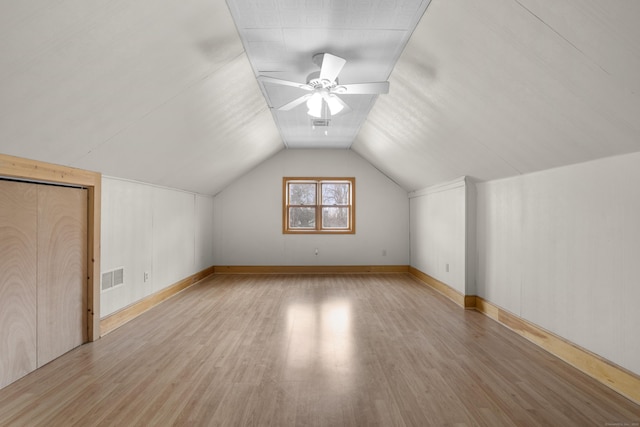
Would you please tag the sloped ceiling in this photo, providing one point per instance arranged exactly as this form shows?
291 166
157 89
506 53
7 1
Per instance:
158 91
503 87
163 92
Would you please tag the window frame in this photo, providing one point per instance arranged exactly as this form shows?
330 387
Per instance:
318 206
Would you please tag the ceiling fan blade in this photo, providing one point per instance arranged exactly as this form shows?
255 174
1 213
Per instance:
331 67
363 88
266 79
293 104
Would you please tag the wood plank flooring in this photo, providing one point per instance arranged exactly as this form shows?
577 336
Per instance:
311 350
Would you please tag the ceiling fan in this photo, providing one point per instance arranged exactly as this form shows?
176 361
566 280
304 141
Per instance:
324 88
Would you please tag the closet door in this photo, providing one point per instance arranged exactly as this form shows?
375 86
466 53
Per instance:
18 253
62 275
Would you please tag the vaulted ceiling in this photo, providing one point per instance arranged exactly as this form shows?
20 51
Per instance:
165 92
282 37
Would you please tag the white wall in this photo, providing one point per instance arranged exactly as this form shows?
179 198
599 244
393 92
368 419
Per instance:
561 248
167 233
440 234
248 215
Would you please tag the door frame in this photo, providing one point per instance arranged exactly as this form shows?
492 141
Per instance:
37 171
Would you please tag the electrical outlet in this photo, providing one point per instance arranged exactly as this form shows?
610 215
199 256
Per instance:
447 267
146 276
316 252
384 252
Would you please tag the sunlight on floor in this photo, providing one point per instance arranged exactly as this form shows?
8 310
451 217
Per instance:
320 340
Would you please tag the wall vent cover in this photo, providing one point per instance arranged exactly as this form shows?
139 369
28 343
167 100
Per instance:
112 278
107 280
320 122
118 277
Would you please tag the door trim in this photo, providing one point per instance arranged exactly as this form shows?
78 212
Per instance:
34 170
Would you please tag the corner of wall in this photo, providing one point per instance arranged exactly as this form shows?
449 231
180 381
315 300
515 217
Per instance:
471 250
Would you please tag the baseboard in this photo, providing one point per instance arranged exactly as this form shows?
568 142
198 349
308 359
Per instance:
309 269
465 301
615 377
119 318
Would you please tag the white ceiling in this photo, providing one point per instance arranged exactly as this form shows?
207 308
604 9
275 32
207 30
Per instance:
281 37
502 87
163 92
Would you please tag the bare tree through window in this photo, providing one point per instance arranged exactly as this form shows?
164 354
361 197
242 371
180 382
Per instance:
335 204
318 205
302 195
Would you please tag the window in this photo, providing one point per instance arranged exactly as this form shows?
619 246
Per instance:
318 205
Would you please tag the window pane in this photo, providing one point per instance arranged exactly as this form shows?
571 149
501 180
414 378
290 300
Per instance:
335 217
335 193
302 194
302 218
318 205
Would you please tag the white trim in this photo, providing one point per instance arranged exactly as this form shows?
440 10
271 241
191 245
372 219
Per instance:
162 187
445 186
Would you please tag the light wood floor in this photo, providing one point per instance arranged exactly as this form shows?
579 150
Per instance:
327 350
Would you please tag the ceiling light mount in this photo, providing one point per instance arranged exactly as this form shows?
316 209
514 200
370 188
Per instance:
315 81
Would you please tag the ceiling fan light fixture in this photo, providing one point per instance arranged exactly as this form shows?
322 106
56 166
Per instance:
335 106
314 104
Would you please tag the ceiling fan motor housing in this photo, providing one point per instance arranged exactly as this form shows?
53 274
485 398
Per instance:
316 82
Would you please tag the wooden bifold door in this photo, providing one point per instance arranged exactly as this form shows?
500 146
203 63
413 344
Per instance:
43 277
